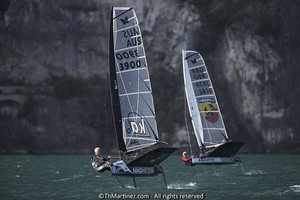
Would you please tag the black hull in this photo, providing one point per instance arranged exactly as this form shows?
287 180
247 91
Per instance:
227 149
152 157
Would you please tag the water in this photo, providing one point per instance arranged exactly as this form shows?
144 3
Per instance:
71 177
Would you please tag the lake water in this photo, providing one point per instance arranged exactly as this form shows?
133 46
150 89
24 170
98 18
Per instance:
71 177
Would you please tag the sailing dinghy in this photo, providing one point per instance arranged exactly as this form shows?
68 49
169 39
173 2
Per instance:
140 150
207 121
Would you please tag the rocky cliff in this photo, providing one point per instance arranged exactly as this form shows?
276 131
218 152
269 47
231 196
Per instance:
53 70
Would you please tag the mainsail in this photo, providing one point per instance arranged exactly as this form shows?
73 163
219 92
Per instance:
131 92
202 102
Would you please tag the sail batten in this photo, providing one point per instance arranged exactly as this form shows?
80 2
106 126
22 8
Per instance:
134 111
202 65
134 93
127 48
129 70
136 117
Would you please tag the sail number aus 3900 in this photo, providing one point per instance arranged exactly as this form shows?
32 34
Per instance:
126 55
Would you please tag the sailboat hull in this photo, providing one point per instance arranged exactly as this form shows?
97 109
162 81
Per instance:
226 150
138 171
145 165
153 157
223 154
213 160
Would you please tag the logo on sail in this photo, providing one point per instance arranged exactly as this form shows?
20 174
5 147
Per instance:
206 100
125 20
137 128
194 61
206 109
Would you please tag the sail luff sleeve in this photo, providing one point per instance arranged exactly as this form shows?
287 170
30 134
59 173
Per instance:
191 100
114 89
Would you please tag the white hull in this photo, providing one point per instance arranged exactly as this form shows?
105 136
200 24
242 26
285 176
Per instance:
213 160
119 168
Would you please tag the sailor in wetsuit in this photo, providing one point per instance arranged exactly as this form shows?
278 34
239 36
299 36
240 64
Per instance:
187 160
99 162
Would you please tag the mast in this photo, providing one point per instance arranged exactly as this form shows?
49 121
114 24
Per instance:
116 109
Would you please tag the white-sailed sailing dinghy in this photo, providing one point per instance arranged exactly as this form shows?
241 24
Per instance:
207 121
132 102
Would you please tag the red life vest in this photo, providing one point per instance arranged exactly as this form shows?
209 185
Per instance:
186 159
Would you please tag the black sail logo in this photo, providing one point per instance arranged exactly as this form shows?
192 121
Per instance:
193 61
125 20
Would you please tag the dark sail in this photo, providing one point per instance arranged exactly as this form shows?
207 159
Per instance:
131 92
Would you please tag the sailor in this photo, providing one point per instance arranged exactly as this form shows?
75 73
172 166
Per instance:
187 160
99 162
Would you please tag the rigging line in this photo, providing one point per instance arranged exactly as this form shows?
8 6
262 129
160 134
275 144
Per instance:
105 111
186 123
122 13
191 55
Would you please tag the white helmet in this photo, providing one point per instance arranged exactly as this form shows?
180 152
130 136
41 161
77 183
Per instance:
184 153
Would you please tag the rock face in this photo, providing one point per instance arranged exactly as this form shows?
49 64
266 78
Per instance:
54 92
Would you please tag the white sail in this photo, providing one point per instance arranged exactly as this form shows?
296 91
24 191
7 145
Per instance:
202 102
130 83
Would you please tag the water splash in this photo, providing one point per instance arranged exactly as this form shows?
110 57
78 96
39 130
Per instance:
63 179
75 176
254 172
129 187
183 186
242 167
295 188
292 189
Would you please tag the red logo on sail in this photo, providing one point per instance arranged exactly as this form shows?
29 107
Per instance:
212 117
205 109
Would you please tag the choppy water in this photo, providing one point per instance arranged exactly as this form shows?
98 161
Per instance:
71 177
